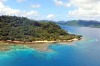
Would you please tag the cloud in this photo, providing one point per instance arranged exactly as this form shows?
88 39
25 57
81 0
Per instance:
51 16
21 0
36 6
83 9
61 3
3 0
58 2
32 13
5 10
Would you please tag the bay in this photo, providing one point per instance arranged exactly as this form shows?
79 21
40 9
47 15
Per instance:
85 52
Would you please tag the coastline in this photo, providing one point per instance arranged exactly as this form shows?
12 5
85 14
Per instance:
38 45
36 42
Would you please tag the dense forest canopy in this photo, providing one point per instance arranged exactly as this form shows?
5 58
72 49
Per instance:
24 29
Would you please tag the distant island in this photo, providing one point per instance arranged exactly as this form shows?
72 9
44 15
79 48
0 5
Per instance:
81 23
14 29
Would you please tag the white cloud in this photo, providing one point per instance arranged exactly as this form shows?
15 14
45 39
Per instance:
36 6
32 13
3 0
58 2
21 0
61 3
51 16
5 10
84 9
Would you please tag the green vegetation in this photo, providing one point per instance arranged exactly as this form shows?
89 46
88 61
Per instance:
23 29
82 23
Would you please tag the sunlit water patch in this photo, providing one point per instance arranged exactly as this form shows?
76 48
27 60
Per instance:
85 52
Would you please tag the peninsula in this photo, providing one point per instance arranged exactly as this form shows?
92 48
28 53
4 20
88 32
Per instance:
21 30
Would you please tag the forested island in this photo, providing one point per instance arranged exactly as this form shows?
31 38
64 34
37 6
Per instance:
81 23
13 28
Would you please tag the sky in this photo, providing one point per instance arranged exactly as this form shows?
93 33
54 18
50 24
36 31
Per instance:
57 10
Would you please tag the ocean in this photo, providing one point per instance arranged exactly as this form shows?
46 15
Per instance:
85 52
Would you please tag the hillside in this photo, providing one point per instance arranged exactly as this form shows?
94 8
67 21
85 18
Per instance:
82 23
24 29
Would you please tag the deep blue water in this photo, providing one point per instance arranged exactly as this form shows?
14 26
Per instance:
85 52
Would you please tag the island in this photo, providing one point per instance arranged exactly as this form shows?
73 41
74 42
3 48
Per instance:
81 23
21 30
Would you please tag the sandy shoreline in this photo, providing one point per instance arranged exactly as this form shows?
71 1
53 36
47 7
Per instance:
38 45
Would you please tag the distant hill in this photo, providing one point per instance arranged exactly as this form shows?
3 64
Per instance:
81 23
24 29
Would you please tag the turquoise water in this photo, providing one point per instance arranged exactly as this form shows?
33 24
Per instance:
85 52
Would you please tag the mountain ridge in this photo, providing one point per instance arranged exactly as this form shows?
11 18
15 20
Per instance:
81 23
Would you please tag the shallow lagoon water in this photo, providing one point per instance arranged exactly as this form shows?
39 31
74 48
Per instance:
85 52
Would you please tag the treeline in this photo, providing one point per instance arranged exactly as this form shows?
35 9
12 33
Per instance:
23 29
